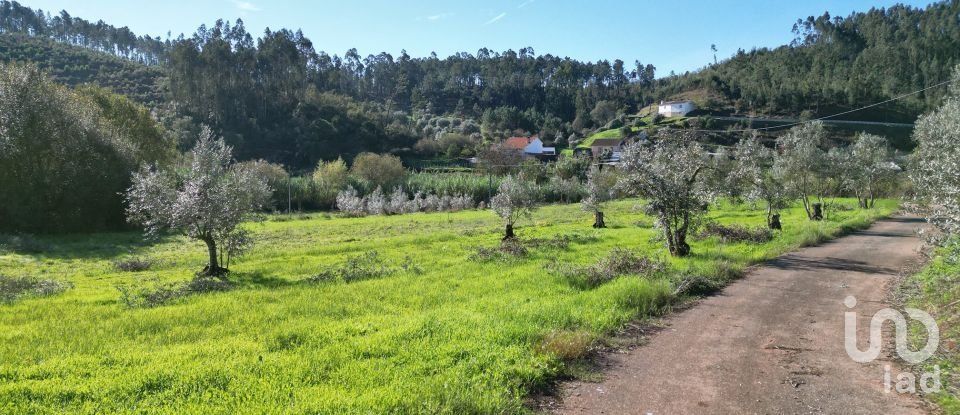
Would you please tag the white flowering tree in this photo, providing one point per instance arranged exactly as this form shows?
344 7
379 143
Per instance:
669 175
801 164
516 199
936 161
206 201
872 169
753 172
600 188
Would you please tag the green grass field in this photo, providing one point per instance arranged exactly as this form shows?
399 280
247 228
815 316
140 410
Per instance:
935 290
460 337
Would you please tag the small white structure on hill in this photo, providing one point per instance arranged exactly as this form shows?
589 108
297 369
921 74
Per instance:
675 108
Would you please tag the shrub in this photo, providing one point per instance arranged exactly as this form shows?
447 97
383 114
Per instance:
14 288
132 264
150 292
618 262
275 176
365 266
567 345
736 233
350 204
330 177
506 250
384 170
376 202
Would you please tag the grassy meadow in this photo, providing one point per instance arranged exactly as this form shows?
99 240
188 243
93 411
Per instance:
445 334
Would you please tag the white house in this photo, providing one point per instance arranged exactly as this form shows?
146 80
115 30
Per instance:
675 108
530 145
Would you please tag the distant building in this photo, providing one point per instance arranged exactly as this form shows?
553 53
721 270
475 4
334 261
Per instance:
531 146
675 108
607 148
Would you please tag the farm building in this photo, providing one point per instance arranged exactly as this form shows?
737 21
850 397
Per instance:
607 148
532 146
675 108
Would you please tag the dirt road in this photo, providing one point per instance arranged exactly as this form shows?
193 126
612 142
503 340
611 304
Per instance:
771 343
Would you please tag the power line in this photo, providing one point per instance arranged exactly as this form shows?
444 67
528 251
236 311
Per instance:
833 115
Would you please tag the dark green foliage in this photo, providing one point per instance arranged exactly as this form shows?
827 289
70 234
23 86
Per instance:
74 66
838 63
65 156
22 244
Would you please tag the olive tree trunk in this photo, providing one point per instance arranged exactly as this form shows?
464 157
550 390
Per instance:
508 232
213 268
598 222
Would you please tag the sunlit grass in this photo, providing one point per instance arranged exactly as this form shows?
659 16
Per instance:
462 337
935 289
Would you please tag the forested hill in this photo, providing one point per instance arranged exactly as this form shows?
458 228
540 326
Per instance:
74 66
279 98
838 63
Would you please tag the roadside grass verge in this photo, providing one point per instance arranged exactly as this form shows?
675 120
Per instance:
936 290
438 333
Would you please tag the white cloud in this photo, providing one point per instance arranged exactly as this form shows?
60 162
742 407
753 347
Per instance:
246 6
526 3
495 19
438 16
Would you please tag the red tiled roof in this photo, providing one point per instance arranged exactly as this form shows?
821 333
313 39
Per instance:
518 143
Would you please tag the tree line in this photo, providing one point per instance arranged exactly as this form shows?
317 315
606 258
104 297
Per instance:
99 35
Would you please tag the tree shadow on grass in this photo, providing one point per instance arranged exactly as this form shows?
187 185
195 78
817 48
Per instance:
258 279
94 246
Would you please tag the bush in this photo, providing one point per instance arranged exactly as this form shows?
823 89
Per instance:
15 288
150 292
275 176
567 345
619 262
385 171
365 266
376 203
350 203
737 233
330 177
66 155
132 265
506 250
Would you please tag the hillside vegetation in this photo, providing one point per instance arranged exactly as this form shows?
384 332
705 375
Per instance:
74 66
287 101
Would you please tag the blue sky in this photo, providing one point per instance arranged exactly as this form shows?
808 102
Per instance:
674 36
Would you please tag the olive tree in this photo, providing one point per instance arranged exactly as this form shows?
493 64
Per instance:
206 200
801 164
935 169
600 188
516 198
753 172
871 168
668 174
